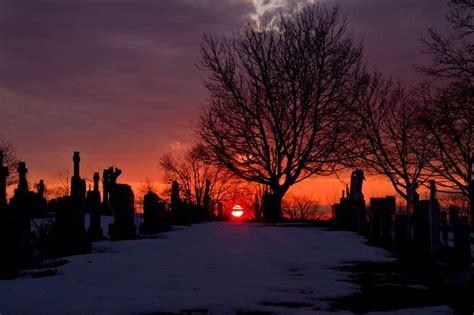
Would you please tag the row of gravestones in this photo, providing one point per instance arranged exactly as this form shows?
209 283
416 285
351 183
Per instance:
422 232
68 235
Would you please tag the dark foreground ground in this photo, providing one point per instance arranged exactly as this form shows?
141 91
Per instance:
236 268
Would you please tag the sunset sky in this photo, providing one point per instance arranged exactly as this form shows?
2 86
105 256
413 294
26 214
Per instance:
117 79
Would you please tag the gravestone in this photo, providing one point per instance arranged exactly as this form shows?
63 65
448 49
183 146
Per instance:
154 216
453 216
122 203
70 236
382 211
344 213
421 227
412 199
40 208
434 220
16 227
401 232
444 227
426 220
462 246
357 202
105 191
94 206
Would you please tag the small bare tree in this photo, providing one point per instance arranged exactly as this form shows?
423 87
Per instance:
302 207
61 186
192 170
10 159
279 99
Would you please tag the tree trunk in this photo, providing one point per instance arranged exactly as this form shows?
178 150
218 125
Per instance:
471 200
272 206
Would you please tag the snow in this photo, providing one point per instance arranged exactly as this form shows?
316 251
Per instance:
222 267
433 310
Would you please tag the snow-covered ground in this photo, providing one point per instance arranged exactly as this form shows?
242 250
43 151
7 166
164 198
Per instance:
220 267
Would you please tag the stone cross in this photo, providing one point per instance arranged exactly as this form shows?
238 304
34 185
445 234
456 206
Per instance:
96 181
22 182
76 159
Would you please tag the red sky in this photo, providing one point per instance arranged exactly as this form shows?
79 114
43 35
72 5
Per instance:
117 79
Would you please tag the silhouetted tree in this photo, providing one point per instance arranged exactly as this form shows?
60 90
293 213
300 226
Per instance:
61 186
10 158
448 118
449 101
452 54
279 98
302 207
145 187
391 142
192 169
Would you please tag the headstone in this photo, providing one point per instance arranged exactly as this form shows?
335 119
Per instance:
382 211
412 199
462 246
94 207
154 217
69 230
444 227
426 220
15 228
421 226
434 220
122 203
357 179
453 216
40 209
345 215
105 190
400 235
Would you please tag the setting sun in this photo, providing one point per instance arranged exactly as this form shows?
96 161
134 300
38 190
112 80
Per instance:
237 211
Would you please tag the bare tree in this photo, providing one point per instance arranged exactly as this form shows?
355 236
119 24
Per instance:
145 187
449 104
61 186
192 170
391 142
10 159
279 96
448 118
302 207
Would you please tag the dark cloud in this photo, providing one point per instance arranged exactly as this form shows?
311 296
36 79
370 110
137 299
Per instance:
117 79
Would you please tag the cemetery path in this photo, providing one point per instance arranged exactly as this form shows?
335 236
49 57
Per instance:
218 268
